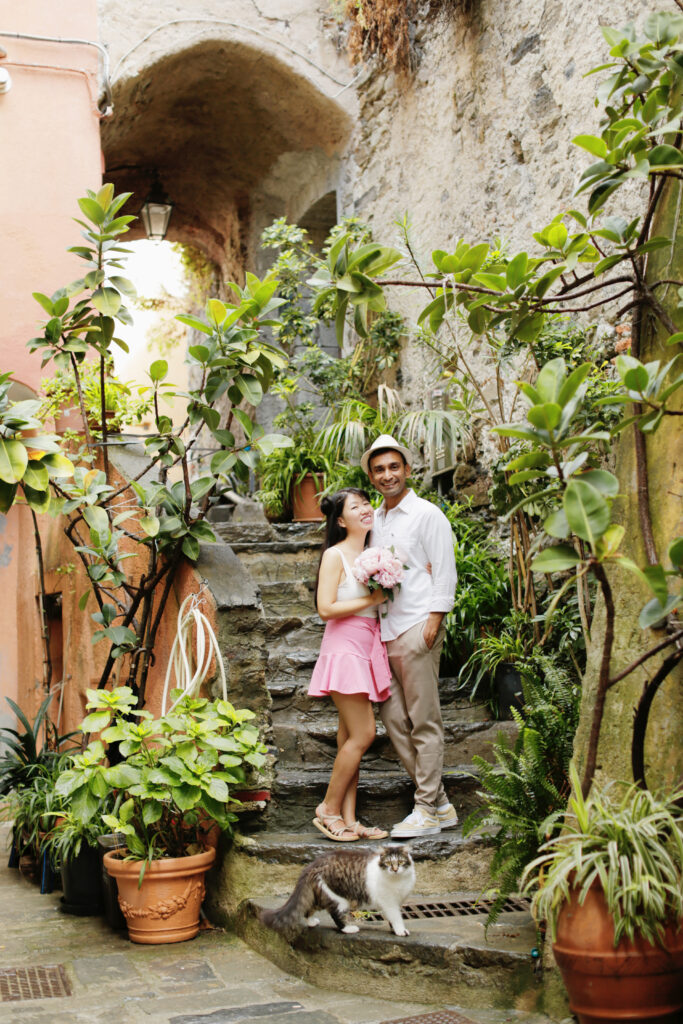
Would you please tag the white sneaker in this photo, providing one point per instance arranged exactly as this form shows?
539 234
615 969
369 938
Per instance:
419 823
447 815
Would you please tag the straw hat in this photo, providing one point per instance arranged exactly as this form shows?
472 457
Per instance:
382 442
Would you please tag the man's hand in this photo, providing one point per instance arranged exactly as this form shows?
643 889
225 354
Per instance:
431 628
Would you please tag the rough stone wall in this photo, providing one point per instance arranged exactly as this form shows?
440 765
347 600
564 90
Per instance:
477 143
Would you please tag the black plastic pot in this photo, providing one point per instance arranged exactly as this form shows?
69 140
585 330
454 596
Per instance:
508 688
110 888
81 883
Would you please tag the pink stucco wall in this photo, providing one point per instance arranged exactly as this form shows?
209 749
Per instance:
49 126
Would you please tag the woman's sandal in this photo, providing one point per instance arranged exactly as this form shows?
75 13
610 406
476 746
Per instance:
368 831
337 833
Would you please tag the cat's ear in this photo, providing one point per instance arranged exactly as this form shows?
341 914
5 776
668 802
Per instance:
381 850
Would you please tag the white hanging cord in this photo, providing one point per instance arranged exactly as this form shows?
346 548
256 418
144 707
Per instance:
182 655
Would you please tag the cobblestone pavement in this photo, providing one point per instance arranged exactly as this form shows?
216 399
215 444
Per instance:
214 979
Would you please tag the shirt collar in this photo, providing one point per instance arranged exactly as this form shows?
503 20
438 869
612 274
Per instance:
404 505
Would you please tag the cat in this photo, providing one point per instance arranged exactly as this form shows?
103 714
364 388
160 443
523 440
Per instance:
380 878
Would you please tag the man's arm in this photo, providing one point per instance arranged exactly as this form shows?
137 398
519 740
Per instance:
438 542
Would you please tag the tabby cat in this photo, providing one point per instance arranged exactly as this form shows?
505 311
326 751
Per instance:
381 879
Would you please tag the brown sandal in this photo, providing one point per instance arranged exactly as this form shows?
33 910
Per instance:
326 824
368 831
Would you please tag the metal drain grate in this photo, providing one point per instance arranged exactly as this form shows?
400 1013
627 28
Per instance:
463 906
46 982
436 1017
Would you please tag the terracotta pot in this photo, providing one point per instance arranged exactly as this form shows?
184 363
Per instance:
69 419
635 982
305 498
165 908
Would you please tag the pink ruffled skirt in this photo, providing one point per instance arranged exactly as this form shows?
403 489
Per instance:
352 659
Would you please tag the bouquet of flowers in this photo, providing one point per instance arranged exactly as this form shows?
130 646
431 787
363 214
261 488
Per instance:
379 567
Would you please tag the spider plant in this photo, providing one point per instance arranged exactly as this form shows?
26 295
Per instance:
625 839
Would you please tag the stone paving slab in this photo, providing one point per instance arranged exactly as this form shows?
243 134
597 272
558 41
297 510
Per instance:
215 979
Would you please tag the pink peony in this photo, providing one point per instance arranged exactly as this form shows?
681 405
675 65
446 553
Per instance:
379 567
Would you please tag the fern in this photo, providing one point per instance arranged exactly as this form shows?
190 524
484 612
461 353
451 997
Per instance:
527 782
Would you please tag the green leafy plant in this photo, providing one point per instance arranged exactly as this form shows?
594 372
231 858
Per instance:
526 783
174 774
624 839
124 403
583 262
108 522
32 808
68 833
27 755
30 459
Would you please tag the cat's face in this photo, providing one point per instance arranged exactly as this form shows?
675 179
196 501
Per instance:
395 859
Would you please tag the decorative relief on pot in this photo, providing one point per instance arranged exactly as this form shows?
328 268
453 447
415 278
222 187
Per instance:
166 908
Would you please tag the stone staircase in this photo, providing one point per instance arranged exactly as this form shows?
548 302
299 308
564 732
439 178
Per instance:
271 638
278 565
282 561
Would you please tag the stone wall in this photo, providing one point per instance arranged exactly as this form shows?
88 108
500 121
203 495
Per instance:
476 144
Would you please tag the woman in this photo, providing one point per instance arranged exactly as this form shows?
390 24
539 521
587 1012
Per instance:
353 668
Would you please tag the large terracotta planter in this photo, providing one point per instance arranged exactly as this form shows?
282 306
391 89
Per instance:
305 498
165 908
635 982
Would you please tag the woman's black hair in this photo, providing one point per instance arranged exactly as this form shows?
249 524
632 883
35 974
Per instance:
333 506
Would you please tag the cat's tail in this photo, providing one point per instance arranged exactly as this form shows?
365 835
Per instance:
288 919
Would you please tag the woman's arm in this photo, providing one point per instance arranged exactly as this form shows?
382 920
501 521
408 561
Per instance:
330 576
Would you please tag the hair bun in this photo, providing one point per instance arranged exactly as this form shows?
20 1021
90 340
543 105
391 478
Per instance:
326 505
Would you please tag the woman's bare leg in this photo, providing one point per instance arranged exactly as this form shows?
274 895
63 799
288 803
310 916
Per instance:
348 807
356 733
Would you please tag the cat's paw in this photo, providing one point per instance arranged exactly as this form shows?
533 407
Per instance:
312 922
350 929
401 932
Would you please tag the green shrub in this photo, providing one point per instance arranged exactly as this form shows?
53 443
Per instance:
527 782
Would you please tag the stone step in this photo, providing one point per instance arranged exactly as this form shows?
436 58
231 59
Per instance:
268 863
309 737
453 960
253 534
288 599
385 795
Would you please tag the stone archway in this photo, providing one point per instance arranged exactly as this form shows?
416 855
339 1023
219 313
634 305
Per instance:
237 136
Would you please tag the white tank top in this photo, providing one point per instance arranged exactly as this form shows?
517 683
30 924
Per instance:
350 588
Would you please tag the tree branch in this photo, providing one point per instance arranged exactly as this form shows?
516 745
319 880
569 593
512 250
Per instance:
674 638
603 678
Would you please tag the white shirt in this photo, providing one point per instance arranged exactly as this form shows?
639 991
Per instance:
419 533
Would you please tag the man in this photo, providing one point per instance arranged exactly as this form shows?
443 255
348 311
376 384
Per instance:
412 627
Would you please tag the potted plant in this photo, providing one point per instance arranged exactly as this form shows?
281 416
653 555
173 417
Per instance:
502 658
31 808
292 480
610 888
123 404
173 778
72 847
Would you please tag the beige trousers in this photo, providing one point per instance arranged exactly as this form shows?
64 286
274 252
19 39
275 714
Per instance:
412 715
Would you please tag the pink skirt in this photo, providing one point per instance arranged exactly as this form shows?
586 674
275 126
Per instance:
352 659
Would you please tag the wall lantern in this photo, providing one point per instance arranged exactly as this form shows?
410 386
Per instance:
156 212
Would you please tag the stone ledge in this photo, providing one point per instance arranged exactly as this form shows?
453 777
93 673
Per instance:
447 960
300 848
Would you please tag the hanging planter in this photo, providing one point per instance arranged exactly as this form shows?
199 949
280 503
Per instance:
165 908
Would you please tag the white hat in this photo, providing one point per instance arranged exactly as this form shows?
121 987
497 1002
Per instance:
382 442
